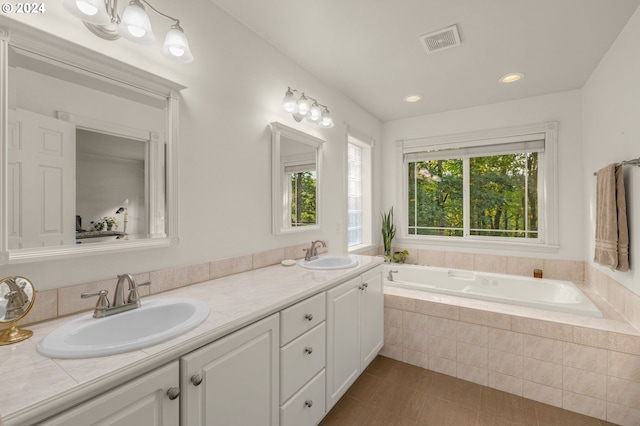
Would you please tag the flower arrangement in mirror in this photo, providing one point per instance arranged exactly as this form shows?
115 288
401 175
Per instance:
108 223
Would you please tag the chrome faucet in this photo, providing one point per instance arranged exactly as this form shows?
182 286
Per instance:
120 304
390 276
312 252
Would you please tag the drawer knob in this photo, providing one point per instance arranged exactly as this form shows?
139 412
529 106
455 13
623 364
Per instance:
196 379
308 350
308 317
173 393
308 403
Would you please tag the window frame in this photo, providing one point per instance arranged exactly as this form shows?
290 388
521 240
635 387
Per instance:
366 144
548 238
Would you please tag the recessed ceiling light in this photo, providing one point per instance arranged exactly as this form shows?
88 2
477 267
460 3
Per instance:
412 98
511 77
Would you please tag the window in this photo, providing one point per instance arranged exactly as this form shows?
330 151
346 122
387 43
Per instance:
358 193
497 186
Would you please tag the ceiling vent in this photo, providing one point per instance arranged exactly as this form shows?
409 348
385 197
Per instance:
441 39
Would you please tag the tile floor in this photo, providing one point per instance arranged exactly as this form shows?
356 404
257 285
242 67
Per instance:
392 393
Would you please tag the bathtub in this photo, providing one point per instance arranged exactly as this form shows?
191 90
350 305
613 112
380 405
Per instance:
553 295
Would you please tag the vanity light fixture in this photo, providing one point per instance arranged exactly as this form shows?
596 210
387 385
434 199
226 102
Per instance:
102 19
307 107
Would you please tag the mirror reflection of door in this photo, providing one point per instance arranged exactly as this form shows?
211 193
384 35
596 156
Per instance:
41 174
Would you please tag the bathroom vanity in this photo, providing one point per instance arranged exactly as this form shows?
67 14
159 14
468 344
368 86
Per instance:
280 346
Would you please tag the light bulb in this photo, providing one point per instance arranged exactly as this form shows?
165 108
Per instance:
90 11
303 105
289 103
135 24
176 45
86 8
315 113
326 121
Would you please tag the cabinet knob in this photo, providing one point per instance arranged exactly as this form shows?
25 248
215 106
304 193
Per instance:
196 379
308 350
173 393
365 285
308 317
361 287
308 403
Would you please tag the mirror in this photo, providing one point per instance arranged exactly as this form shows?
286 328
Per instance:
90 148
295 180
17 296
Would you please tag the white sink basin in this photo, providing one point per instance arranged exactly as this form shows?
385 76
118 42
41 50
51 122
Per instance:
329 262
154 322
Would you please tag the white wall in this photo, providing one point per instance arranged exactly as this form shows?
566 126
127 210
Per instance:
611 129
564 107
234 89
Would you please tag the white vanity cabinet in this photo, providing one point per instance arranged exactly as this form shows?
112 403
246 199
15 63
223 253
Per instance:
234 380
151 399
355 326
302 362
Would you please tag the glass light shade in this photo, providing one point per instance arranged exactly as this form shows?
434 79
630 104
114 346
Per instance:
176 46
304 105
135 25
289 103
315 113
326 121
91 11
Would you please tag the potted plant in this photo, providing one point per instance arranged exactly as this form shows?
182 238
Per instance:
388 232
400 256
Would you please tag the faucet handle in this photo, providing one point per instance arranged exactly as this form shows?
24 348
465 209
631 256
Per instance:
134 297
103 302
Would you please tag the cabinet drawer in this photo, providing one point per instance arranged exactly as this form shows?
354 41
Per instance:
300 360
307 406
301 317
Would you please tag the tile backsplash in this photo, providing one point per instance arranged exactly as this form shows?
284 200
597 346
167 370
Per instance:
50 304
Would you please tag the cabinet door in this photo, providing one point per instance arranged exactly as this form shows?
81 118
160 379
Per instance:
239 379
372 326
142 401
343 339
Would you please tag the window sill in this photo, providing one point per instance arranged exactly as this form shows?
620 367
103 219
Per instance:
479 244
362 248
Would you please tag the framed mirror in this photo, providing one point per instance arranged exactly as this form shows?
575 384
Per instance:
295 170
90 147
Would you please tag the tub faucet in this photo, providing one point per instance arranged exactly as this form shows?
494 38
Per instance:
120 304
390 276
312 252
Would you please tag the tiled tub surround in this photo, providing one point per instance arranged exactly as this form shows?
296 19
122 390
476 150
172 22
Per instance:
587 365
34 385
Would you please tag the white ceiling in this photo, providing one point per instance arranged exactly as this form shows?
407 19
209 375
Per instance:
370 49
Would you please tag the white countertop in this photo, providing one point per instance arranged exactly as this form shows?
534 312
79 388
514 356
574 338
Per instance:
33 385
